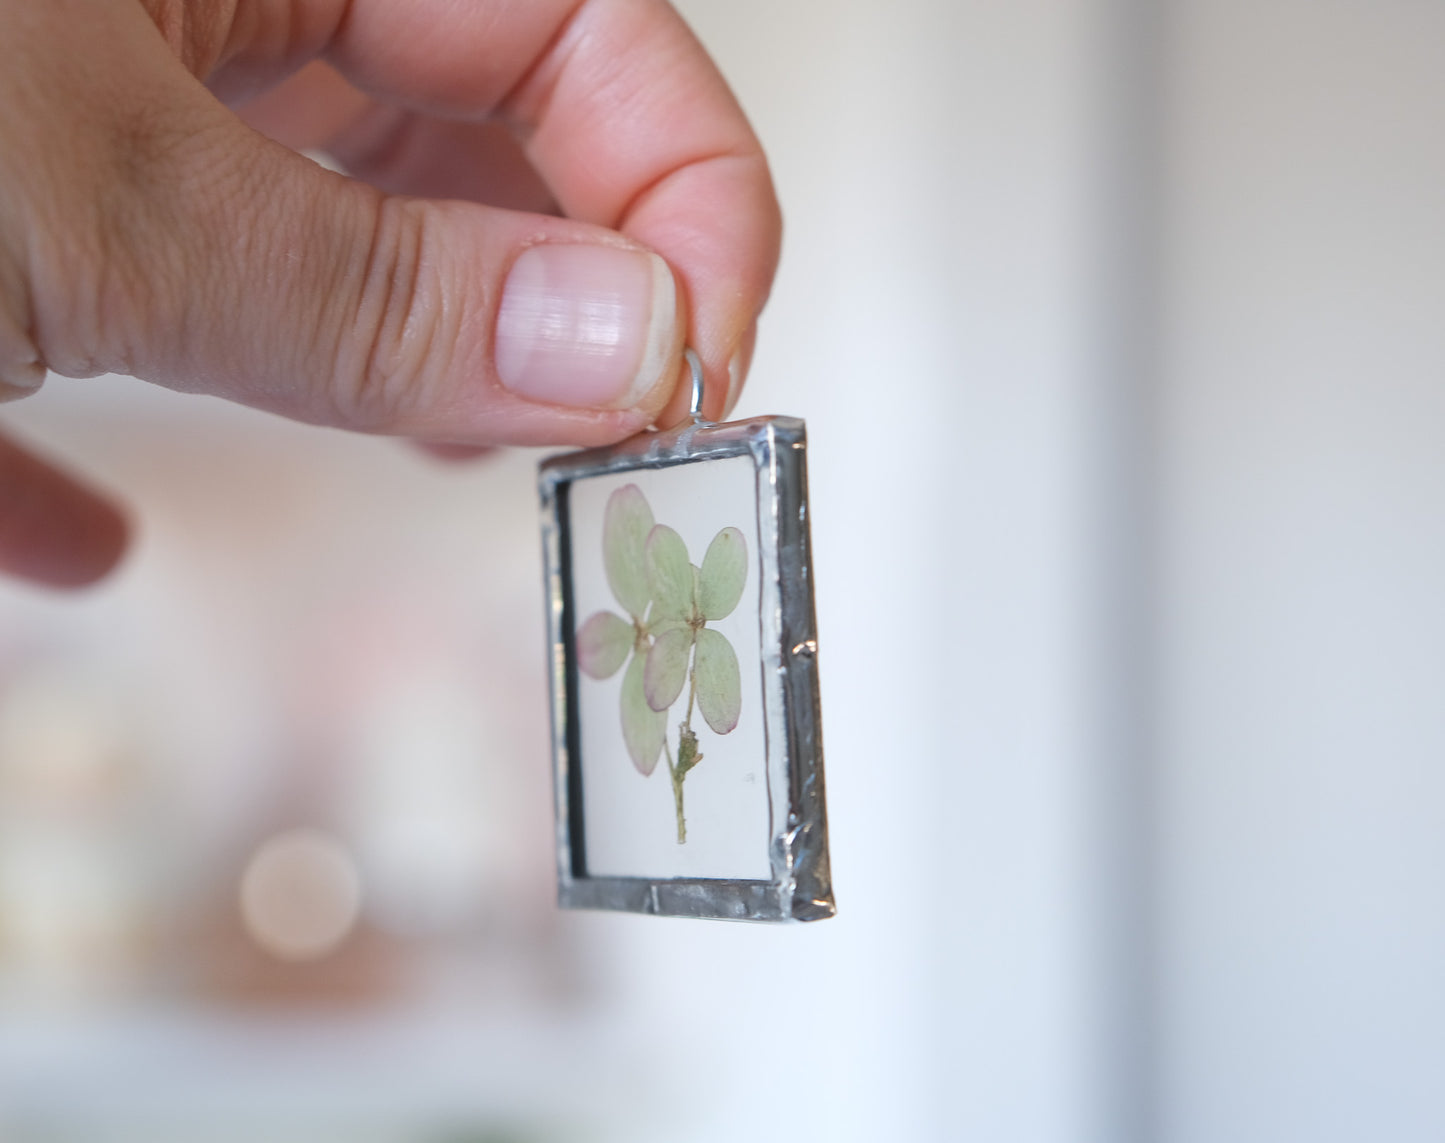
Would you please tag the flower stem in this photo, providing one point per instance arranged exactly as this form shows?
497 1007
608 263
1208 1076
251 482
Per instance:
691 692
683 732
685 759
677 776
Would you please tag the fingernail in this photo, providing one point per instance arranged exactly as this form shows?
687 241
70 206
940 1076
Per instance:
735 383
738 368
588 326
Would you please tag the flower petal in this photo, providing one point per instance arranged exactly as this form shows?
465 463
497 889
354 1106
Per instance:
669 575
719 687
643 728
656 627
625 525
724 574
667 667
602 644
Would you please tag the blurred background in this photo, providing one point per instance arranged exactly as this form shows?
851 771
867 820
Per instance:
1120 331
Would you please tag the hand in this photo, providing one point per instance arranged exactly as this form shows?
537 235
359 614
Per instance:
147 229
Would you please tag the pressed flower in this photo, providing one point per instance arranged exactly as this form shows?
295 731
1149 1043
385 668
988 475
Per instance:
665 641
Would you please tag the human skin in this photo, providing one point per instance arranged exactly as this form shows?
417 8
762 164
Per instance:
156 220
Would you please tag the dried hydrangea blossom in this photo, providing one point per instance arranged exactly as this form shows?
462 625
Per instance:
669 602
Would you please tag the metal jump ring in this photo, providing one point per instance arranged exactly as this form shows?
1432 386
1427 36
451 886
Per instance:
694 363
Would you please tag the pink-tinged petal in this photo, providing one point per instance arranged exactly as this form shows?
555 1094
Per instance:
625 527
724 574
667 667
643 728
669 574
602 644
719 686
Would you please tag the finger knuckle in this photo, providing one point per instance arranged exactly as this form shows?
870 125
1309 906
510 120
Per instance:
396 356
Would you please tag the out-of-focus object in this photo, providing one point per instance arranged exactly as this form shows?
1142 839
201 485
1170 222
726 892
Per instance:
300 895
77 898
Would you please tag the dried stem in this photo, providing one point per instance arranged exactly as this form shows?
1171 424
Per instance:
678 773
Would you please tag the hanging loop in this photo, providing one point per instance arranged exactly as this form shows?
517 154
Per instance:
694 363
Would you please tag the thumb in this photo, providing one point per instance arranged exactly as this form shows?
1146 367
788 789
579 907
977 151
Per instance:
206 258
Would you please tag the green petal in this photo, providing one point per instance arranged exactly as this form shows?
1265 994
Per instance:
719 688
656 627
667 667
625 526
724 573
602 644
643 728
669 575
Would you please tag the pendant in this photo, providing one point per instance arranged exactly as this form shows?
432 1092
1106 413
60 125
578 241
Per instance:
686 736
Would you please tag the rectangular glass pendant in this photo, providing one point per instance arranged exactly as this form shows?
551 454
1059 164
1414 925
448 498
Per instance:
686 735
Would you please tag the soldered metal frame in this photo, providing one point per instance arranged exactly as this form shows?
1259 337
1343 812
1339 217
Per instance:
800 887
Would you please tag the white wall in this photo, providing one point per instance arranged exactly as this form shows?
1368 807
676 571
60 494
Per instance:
1301 446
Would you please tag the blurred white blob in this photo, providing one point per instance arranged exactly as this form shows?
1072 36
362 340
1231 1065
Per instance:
300 895
76 892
